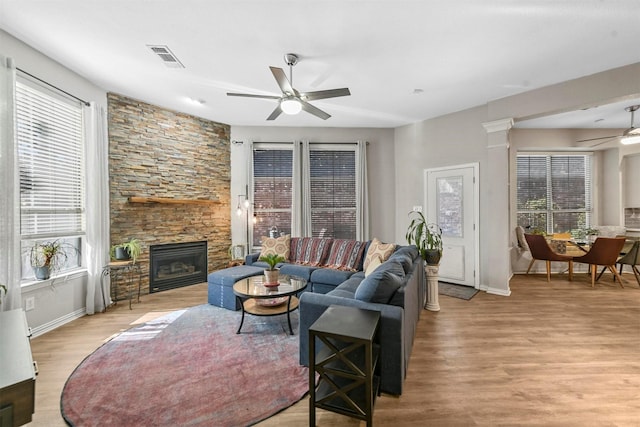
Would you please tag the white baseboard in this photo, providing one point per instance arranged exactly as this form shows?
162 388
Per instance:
496 291
50 326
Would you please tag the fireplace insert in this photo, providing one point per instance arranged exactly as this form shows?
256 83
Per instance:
177 264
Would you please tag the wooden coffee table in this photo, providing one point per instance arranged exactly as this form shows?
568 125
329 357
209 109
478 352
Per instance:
259 300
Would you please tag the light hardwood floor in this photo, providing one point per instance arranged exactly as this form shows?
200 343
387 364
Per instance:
551 354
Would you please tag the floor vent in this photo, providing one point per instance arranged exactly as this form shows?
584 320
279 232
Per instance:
167 57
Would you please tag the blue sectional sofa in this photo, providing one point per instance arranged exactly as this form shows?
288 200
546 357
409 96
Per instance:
396 288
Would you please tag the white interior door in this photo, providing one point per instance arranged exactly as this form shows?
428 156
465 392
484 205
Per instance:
452 202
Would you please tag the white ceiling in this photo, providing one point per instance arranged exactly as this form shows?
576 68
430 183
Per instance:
404 61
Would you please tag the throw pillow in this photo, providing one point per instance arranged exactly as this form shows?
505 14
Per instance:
377 248
381 285
275 246
372 266
345 254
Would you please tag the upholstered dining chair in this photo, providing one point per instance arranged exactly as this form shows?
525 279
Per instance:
604 251
540 250
632 258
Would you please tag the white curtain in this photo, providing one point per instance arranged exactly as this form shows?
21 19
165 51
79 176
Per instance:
302 172
97 207
362 193
10 262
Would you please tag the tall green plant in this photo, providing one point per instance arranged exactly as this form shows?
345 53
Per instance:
426 236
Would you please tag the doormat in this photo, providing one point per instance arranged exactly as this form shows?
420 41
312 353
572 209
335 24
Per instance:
456 291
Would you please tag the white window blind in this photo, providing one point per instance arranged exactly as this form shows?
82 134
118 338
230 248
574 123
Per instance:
51 161
554 192
272 191
333 193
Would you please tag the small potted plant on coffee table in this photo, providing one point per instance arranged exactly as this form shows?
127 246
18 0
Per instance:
271 273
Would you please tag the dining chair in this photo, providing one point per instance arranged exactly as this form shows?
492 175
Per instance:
632 258
604 251
540 250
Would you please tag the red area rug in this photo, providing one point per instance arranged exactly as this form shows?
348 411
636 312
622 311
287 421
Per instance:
189 368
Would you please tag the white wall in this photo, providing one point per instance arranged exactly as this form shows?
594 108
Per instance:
61 300
380 168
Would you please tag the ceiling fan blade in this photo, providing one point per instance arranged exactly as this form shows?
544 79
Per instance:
606 140
597 139
314 110
274 115
322 94
248 95
282 80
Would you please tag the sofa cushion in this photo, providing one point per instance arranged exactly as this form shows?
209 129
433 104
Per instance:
345 254
406 256
309 250
377 248
350 285
330 276
303 271
382 284
276 246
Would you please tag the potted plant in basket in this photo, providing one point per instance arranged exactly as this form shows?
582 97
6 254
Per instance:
271 273
130 250
427 237
47 257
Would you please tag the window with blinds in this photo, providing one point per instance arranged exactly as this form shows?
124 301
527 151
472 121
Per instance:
554 192
272 191
49 131
333 193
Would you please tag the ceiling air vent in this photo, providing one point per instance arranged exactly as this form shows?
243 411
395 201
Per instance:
167 57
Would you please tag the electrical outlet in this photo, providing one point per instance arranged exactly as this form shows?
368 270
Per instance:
29 303
417 208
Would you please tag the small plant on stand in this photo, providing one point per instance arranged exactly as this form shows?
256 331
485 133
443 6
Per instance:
426 236
130 250
428 239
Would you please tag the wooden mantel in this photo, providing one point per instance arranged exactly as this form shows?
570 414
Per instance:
169 200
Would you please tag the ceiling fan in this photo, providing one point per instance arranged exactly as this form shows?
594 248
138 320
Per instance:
629 136
292 101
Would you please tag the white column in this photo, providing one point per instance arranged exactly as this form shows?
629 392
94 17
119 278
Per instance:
432 287
495 236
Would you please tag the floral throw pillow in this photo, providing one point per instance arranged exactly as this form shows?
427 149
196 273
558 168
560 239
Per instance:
378 249
276 246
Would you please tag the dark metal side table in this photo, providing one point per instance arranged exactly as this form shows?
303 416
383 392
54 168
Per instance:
346 362
122 272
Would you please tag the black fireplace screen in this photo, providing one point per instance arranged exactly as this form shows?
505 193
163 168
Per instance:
177 264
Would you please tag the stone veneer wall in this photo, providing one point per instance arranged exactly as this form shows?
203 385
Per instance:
154 152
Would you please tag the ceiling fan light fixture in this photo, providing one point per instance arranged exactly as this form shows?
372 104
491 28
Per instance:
290 105
631 138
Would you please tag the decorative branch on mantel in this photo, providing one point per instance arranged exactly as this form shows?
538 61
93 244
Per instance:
168 200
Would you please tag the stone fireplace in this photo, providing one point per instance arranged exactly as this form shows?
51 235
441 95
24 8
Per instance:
170 180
